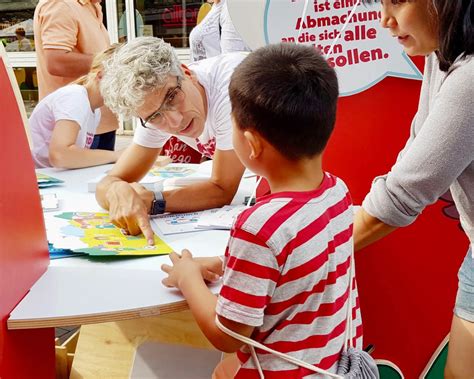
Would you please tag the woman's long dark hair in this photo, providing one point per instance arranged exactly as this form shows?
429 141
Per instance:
455 32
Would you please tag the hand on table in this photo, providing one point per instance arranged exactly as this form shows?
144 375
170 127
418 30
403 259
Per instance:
212 266
129 204
185 267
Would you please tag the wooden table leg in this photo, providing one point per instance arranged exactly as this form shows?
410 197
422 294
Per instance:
107 350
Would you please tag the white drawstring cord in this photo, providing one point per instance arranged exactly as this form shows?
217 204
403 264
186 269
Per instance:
254 192
348 337
348 333
252 344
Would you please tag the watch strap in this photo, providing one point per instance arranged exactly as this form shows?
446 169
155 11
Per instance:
158 195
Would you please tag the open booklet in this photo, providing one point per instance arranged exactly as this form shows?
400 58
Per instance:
211 219
223 218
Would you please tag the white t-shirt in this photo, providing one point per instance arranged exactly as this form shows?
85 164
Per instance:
215 35
204 39
20 45
67 103
214 75
230 38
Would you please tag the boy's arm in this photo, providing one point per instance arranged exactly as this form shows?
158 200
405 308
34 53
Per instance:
186 275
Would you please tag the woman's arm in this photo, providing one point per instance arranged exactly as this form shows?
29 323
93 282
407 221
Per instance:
63 152
439 153
368 229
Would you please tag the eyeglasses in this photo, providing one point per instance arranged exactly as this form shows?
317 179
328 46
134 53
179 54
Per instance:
171 102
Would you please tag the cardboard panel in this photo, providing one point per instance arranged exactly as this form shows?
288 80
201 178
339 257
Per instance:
23 248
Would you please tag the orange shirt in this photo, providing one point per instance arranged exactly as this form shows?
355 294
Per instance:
71 25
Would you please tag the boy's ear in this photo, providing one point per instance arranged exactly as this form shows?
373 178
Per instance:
255 143
99 75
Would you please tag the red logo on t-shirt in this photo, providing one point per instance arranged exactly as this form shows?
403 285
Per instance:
207 149
179 152
89 139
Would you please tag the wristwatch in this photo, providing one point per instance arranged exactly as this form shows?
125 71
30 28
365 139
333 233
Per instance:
158 204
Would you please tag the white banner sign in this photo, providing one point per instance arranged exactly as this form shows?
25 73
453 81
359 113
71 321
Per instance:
363 54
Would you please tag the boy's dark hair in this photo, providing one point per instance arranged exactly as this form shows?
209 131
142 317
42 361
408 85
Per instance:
287 93
455 31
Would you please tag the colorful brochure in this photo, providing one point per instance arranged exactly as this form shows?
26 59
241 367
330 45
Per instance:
45 181
93 233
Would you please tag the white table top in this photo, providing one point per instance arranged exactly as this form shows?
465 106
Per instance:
83 290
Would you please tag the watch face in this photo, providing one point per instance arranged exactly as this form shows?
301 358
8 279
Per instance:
158 207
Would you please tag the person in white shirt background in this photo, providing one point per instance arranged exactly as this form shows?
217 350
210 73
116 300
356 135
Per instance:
215 34
63 124
21 44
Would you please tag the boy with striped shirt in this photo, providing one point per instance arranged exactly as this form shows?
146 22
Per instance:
285 274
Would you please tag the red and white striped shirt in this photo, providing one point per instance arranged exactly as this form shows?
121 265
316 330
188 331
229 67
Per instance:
286 273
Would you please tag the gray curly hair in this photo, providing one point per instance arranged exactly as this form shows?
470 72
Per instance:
139 67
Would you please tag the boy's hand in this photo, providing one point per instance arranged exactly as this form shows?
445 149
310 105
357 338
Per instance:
184 268
212 268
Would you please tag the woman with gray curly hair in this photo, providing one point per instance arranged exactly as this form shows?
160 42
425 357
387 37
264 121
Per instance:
145 79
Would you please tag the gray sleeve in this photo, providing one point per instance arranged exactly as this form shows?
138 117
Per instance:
434 159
